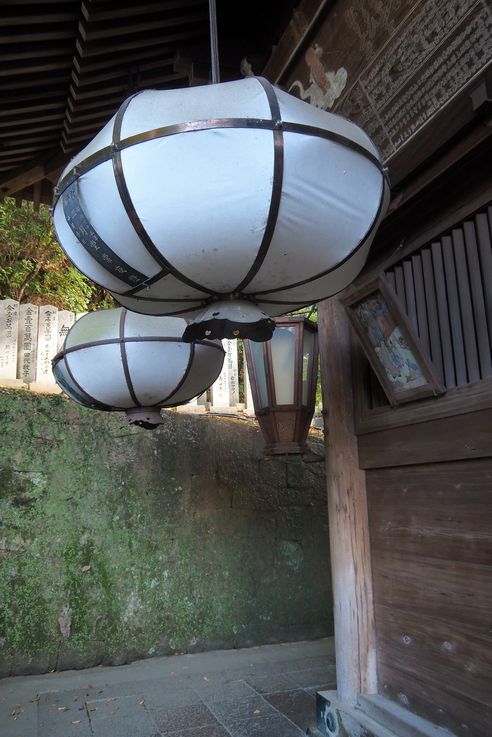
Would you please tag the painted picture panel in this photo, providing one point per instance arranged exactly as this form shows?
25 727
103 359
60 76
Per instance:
390 343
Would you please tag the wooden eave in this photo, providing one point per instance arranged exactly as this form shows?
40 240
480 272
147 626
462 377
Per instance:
67 65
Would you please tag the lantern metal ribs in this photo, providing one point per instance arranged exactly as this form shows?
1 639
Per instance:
228 204
115 360
283 374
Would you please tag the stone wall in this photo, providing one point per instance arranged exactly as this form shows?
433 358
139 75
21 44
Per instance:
118 543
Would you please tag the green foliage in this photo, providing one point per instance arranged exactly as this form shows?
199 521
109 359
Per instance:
33 267
310 311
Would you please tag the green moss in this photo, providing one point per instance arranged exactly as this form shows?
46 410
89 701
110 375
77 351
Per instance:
127 542
24 611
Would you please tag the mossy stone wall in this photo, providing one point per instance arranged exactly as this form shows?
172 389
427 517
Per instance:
118 543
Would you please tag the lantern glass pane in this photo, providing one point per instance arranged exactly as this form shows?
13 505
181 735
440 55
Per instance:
259 364
307 363
283 347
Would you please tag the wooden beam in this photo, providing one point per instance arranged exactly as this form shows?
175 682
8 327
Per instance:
133 42
304 18
88 92
154 50
36 195
93 13
94 32
31 36
35 65
37 79
121 71
34 51
355 641
29 127
31 172
23 19
20 110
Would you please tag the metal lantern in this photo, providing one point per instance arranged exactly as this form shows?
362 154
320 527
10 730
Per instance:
228 203
118 360
283 373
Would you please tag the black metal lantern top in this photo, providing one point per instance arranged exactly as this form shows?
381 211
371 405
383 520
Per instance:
283 373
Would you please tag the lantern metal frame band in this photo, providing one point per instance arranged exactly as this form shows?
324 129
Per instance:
132 339
103 251
91 242
304 412
332 268
277 182
122 340
90 401
107 256
107 152
125 194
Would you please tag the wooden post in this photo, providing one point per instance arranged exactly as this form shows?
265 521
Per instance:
347 510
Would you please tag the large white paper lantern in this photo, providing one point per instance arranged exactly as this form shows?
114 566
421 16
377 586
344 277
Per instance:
235 199
119 360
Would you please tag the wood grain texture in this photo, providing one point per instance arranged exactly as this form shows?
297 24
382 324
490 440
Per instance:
347 511
431 546
443 511
446 439
437 650
463 717
454 590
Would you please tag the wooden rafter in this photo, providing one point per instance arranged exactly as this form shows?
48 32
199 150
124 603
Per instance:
66 66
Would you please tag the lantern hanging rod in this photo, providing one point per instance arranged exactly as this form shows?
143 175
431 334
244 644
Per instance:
214 46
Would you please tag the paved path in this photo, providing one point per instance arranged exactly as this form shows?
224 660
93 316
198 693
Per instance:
257 692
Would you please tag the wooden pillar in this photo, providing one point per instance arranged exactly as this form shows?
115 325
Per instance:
347 509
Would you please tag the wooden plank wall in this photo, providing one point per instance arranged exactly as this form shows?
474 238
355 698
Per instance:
429 491
428 471
431 537
408 72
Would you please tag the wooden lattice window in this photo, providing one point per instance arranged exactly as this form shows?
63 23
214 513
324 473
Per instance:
445 288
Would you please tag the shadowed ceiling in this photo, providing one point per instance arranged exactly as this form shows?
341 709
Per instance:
66 66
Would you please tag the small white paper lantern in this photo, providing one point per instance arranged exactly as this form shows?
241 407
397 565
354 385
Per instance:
237 200
119 360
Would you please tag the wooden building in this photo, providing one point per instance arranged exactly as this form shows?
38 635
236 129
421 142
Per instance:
410 471
409 464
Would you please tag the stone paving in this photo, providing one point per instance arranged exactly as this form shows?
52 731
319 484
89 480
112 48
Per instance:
266 691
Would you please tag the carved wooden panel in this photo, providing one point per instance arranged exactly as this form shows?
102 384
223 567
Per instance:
391 66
